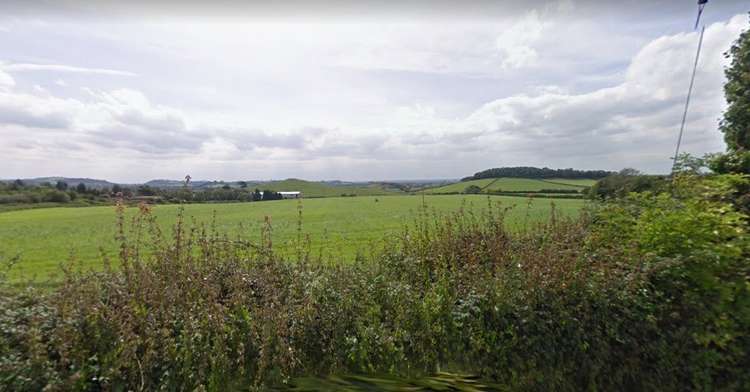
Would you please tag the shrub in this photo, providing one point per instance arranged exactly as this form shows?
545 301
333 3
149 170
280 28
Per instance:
17 198
620 185
698 246
473 189
56 197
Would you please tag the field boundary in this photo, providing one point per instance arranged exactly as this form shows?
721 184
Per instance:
490 184
563 183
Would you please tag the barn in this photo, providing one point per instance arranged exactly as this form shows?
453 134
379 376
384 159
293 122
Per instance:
291 195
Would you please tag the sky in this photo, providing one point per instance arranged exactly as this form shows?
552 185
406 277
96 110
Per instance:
355 90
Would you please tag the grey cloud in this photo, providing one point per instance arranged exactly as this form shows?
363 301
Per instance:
155 120
145 140
251 139
24 117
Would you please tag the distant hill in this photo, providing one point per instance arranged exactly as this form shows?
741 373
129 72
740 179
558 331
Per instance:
514 185
71 181
537 173
180 183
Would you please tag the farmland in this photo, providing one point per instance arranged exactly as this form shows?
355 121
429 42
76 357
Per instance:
257 197
340 227
319 189
515 185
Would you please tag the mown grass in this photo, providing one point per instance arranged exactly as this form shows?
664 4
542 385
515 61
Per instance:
338 227
515 185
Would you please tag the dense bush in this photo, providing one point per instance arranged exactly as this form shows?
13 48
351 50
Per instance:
648 293
698 246
621 184
473 189
19 198
56 197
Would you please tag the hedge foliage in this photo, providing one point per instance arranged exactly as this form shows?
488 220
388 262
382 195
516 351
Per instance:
650 292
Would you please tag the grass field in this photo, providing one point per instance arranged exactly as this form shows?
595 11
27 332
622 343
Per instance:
515 185
318 189
579 182
341 226
459 187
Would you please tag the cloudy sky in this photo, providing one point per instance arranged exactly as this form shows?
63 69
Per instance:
354 91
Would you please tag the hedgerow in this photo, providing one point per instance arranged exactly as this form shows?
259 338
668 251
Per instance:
646 293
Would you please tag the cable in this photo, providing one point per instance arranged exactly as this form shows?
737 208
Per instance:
701 4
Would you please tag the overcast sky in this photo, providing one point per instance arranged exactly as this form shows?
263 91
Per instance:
333 90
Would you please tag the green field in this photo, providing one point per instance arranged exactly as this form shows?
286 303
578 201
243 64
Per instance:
579 182
319 189
515 185
459 187
341 226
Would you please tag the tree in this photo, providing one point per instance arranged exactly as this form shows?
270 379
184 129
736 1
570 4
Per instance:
535 172
116 188
736 122
628 171
16 185
473 189
61 185
689 164
257 195
243 184
145 190
56 197
81 188
271 195
625 182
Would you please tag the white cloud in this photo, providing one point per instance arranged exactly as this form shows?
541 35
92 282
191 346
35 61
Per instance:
642 112
36 111
6 80
516 43
630 122
63 68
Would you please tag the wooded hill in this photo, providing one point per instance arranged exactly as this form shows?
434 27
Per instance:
537 173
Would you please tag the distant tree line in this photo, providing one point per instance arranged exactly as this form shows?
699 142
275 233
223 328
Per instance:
18 192
625 182
535 172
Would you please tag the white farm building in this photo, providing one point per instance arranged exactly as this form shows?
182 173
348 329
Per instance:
291 195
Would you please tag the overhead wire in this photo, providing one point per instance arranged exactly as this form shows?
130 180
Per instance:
701 6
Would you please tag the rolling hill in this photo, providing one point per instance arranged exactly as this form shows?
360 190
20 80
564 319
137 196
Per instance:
516 185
